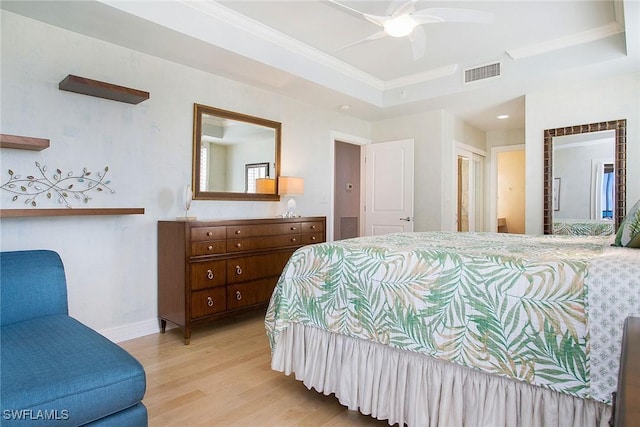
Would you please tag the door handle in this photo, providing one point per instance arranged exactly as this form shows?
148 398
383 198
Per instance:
406 219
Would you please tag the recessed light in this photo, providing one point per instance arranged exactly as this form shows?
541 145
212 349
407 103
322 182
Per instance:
345 107
502 117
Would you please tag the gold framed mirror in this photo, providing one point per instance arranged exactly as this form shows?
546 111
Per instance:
619 168
235 156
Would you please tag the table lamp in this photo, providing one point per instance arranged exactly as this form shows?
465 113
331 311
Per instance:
290 186
265 185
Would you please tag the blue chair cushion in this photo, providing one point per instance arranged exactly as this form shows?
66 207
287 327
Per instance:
57 364
136 416
33 285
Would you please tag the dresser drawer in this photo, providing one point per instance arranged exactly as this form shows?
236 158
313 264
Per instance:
250 293
310 238
312 227
208 233
212 269
256 267
237 245
208 274
242 231
208 301
208 248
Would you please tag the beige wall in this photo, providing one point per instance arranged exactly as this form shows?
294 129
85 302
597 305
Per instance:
511 189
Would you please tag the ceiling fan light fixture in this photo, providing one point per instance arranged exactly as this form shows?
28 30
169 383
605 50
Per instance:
400 26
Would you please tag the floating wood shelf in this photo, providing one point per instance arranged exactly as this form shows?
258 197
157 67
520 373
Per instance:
16 213
104 90
23 142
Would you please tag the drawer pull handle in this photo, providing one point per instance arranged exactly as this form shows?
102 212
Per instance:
237 231
313 237
210 274
238 270
293 239
210 301
210 247
238 295
293 229
209 233
238 245
313 227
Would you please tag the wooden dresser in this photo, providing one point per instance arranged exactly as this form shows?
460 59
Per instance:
211 269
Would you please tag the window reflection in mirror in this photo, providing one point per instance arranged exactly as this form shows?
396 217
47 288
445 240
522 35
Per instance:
232 151
584 164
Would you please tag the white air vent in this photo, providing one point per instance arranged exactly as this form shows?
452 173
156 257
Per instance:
481 73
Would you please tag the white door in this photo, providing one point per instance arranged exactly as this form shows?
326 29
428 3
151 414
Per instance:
389 187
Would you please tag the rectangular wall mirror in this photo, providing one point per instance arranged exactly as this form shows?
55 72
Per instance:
235 156
585 175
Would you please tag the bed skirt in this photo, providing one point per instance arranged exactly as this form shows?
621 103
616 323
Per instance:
408 388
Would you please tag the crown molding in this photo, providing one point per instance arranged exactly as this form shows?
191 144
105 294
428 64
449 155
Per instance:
594 34
298 48
434 74
246 24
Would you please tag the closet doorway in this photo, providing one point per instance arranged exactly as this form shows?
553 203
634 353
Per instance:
469 188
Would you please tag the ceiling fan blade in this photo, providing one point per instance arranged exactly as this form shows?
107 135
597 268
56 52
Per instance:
378 20
378 35
432 15
398 7
418 42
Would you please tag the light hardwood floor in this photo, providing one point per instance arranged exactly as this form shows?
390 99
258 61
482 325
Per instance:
224 378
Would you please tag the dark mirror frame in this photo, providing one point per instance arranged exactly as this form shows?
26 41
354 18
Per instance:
198 194
620 127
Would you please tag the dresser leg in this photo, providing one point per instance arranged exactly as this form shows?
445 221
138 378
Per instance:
187 336
163 326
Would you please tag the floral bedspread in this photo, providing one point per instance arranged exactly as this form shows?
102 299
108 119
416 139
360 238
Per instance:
511 305
578 227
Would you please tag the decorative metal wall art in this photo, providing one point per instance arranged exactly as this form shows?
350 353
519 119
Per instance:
56 185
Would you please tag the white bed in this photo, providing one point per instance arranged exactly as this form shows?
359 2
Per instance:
458 329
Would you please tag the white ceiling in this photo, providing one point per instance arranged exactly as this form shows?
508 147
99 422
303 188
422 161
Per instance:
290 47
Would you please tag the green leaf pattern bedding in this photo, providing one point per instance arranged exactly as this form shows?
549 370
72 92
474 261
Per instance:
510 305
583 228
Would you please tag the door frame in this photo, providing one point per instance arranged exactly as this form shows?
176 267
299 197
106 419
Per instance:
493 182
336 136
464 149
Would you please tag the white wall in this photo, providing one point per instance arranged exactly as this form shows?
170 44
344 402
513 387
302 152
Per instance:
554 107
111 260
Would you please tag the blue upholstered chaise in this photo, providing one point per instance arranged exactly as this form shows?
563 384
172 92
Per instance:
53 369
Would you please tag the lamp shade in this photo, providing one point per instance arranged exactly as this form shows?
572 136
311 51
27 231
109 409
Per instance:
265 185
290 186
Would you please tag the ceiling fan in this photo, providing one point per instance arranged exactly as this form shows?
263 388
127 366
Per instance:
406 21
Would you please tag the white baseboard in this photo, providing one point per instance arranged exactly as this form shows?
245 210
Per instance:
133 330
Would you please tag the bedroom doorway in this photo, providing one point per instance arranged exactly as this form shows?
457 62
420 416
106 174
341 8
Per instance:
507 198
346 191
